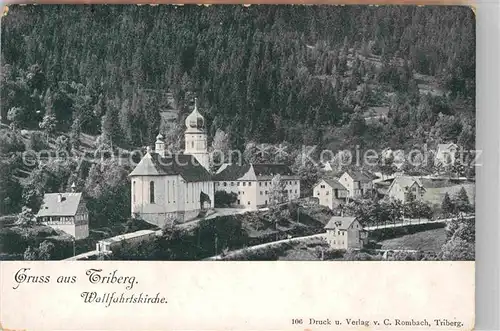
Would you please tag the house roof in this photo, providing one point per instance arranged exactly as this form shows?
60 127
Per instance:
52 207
359 176
334 183
185 165
446 147
232 172
405 181
261 170
340 222
272 169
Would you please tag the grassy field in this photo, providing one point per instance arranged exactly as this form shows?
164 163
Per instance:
435 195
428 241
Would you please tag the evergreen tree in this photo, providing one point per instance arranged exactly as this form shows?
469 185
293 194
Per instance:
447 206
461 201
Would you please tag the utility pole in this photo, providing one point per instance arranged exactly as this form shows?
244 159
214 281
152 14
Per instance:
74 249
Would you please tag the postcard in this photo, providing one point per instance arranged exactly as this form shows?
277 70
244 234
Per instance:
256 167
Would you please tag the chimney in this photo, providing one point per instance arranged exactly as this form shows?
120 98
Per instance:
59 197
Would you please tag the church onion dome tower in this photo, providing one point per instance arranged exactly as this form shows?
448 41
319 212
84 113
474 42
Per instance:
195 137
160 145
195 123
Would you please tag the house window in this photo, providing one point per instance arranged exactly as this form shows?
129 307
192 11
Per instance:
151 192
265 183
248 203
339 233
318 193
295 182
260 184
249 183
225 184
238 184
266 192
327 192
295 191
260 192
322 186
244 183
232 183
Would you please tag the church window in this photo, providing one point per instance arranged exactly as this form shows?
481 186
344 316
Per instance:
168 191
133 191
151 192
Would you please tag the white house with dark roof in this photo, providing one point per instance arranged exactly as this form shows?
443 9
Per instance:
330 192
357 183
252 182
445 154
344 232
167 187
401 186
66 212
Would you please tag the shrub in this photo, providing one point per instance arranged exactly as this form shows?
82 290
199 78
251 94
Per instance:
224 199
10 142
36 142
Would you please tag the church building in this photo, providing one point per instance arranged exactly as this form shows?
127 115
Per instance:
167 187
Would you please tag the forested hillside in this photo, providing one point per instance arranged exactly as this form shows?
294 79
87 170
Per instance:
301 74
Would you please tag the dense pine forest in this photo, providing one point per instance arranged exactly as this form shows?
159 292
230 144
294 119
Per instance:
86 78
300 74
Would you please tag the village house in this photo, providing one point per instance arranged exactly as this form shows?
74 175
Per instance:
252 183
167 187
445 154
357 183
374 114
343 232
402 186
330 193
326 166
66 212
